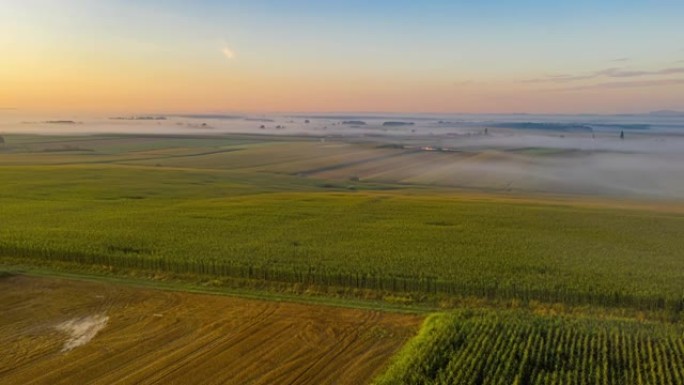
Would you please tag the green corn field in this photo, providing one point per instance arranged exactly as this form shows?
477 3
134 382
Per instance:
487 347
223 227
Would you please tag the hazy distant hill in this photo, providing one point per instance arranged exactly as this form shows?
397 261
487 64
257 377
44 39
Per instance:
667 113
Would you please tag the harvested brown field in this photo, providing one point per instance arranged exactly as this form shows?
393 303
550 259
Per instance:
57 331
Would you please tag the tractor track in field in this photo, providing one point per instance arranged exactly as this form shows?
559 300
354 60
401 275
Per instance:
329 356
124 161
338 166
203 350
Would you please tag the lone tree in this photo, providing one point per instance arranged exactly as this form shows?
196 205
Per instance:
622 134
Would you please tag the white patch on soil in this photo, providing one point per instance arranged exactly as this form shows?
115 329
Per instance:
82 330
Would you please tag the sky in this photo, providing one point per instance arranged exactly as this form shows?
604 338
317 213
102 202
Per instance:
262 56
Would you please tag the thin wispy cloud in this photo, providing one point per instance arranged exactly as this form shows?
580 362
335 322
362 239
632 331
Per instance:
625 84
627 74
560 78
228 53
607 73
621 59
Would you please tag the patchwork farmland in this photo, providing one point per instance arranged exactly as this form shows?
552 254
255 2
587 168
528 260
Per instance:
515 265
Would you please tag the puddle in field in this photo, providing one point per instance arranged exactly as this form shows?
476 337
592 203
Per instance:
82 330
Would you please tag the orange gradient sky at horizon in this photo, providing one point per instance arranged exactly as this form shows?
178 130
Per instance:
169 57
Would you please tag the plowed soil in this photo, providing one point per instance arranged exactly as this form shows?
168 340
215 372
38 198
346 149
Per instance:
164 337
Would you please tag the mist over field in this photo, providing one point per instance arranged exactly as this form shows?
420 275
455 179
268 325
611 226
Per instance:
560 154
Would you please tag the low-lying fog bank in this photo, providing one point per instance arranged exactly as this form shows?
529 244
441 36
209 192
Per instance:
635 156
